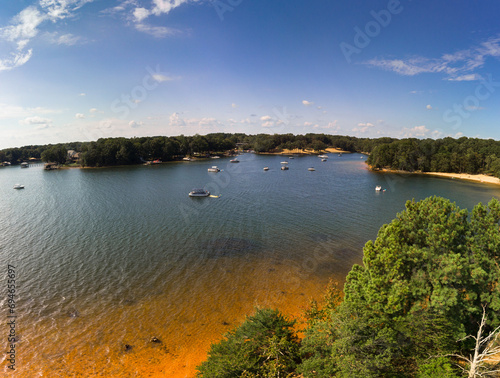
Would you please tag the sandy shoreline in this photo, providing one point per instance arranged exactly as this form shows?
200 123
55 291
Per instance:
462 176
299 151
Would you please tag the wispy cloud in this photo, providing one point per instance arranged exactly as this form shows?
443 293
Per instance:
25 26
458 66
14 111
363 127
307 103
36 120
156 31
137 14
63 39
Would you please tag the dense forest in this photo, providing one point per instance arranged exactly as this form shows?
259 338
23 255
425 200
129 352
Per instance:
425 304
124 151
464 155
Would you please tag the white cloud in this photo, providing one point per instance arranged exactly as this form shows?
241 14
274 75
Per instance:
234 106
458 66
165 6
43 126
24 27
35 120
428 107
14 111
161 78
363 127
82 94
176 120
307 123
331 126
93 110
156 31
307 103
79 116
15 60
468 77
140 14
266 118
418 131
135 125
63 39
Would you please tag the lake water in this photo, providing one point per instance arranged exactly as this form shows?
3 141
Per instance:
111 257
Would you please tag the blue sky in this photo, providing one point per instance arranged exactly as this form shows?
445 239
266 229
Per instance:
79 70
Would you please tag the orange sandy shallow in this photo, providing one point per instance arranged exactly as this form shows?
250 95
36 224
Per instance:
77 347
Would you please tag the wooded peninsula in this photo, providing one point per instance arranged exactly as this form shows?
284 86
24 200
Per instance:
463 155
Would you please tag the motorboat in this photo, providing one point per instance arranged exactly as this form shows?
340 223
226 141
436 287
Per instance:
378 188
24 165
284 162
214 157
311 169
234 160
187 158
214 169
18 186
323 156
266 168
324 159
284 168
199 193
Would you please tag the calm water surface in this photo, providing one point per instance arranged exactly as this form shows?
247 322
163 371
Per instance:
111 257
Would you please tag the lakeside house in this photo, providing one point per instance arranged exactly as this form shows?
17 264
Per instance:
73 155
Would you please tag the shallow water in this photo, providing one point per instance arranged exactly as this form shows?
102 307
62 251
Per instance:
112 257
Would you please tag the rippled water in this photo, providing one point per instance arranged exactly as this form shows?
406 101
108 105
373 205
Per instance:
111 257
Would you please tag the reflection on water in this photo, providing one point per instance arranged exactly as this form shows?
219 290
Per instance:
107 259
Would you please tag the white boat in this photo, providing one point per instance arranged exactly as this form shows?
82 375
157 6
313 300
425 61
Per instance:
24 165
18 186
199 193
323 156
234 160
291 157
284 162
214 169
214 157
186 158
311 169
324 159
284 168
378 188
266 168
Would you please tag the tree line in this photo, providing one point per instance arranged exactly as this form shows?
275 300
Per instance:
463 155
425 303
125 151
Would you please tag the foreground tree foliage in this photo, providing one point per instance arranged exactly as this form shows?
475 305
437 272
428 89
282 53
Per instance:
428 290
265 345
422 288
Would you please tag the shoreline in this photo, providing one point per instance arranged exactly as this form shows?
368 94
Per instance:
480 178
299 151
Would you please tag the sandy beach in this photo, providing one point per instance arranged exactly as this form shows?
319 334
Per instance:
462 176
300 151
